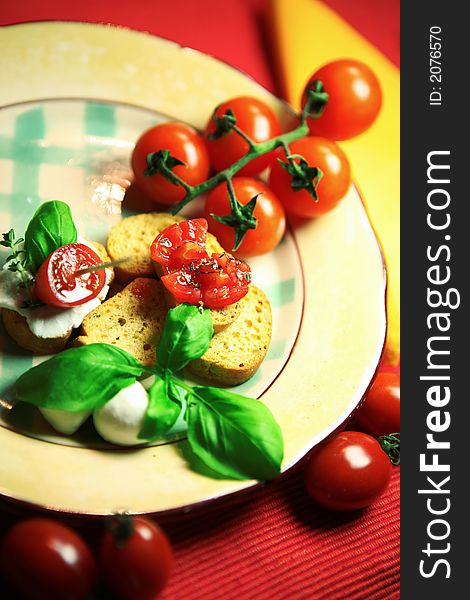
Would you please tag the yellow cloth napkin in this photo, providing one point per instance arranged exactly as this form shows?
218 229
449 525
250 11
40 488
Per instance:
306 35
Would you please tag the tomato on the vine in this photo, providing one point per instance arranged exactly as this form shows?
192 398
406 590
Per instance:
332 186
190 274
58 281
347 472
379 414
136 559
354 99
45 560
256 120
269 214
183 143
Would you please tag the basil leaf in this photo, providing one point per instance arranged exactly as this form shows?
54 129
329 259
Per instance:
52 226
234 435
186 335
79 379
164 407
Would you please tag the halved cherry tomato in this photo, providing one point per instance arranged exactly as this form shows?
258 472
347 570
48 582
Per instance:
183 143
190 274
333 185
269 213
354 99
256 120
180 243
379 414
57 282
347 472
215 281
45 560
137 565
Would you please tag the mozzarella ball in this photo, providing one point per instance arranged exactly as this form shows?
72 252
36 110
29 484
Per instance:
120 419
65 421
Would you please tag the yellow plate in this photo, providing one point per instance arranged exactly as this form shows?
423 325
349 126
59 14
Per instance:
332 356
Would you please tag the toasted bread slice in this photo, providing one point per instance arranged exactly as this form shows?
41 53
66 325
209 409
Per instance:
236 353
18 329
132 320
133 236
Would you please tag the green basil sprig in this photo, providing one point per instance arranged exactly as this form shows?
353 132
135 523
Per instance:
52 226
235 436
79 379
165 404
186 336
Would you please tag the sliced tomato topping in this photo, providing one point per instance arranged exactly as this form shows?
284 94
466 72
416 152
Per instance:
187 253
191 275
215 282
59 281
169 247
182 286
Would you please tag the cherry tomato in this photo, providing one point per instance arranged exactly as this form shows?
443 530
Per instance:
138 564
180 243
57 282
354 99
379 414
183 143
334 183
215 281
256 120
190 274
45 560
269 213
347 472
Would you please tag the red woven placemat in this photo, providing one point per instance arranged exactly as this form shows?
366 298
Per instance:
278 544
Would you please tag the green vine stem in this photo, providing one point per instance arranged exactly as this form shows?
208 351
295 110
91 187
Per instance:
121 527
241 218
256 150
391 446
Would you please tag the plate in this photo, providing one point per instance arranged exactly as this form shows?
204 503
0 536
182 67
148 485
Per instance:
74 98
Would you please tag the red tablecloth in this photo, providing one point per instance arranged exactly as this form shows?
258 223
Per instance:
275 542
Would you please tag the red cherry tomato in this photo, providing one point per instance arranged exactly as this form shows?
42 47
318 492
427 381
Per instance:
347 472
57 282
354 99
256 120
334 183
45 560
269 213
190 274
180 243
138 566
184 143
379 414
216 282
